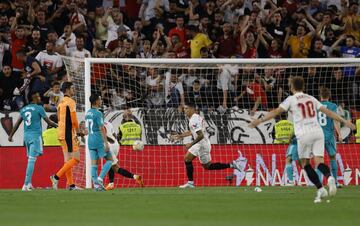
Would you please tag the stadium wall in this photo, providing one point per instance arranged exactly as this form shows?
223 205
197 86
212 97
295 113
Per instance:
163 166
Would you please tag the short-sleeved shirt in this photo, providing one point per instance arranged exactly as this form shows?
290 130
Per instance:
327 124
198 42
303 108
295 45
197 123
94 121
32 115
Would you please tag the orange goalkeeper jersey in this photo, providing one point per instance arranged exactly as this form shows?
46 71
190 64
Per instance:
67 120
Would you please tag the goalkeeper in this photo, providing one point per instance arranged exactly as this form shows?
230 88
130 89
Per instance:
129 131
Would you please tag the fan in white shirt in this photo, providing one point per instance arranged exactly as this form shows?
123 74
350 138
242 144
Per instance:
308 132
200 147
50 60
79 51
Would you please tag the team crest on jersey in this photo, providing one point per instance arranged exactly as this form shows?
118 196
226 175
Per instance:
195 125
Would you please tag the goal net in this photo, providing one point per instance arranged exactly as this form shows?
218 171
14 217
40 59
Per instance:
228 93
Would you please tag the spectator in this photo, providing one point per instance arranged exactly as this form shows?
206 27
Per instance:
154 88
275 27
226 86
102 21
145 50
77 19
35 77
18 39
253 95
197 95
179 30
55 95
316 50
225 43
174 91
248 42
351 19
78 51
4 51
274 50
50 61
9 81
198 41
36 43
300 43
40 23
69 38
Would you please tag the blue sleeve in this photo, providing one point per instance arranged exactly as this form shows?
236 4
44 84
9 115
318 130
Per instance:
42 112
100 119
343 49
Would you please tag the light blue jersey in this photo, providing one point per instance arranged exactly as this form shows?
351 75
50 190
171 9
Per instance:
94 120
32 115
327 124
292 150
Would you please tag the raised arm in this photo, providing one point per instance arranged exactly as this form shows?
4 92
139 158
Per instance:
335 46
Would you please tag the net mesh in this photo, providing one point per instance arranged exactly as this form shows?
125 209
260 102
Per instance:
227 96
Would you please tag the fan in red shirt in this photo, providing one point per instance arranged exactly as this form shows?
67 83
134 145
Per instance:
255 93
18 39
179 30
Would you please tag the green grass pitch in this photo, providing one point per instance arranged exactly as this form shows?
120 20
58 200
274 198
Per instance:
217 206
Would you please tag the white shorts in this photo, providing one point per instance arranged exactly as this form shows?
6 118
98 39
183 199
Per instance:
202 151
311 144
114 149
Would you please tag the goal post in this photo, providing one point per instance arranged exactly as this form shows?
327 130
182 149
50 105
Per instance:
129 83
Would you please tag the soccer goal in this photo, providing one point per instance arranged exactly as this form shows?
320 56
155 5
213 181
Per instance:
228 93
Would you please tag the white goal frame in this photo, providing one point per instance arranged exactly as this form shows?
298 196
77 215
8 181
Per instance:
267 61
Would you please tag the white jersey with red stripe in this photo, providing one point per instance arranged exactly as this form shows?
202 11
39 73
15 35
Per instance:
303 108
114 145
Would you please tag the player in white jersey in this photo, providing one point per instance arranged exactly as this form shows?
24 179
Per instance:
200 147
308 132
114 149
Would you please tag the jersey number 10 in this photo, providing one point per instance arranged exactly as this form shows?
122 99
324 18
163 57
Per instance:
307 109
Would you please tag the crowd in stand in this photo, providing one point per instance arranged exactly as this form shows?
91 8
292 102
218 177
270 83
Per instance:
33 35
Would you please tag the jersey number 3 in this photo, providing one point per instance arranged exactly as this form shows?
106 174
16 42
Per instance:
307 109
28 118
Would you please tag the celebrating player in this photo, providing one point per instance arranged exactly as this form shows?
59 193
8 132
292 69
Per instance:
67 134
31 114
114 150
200 147
97 142
308 132
328 125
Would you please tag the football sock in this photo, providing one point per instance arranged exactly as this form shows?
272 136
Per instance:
219 166
105 169
29 169
125 173
94 176
312 176
324 169
69 164
69 177
111 175
320 175
189 170
289 172
334 168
